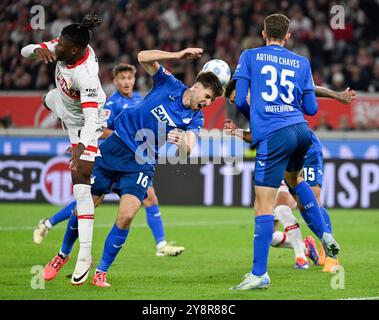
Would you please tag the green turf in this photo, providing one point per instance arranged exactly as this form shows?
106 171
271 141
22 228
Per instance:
218 253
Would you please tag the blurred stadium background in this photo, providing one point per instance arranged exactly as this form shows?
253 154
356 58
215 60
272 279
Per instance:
32 146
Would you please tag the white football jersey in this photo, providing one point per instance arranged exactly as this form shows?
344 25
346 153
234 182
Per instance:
79 86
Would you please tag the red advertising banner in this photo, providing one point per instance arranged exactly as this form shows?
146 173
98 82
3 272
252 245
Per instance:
26 111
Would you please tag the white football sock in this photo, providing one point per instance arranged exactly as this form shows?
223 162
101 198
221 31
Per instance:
280 239
85 209
292 229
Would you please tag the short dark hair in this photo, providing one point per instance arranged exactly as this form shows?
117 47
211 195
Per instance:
123 67
210 80
230 86
276 26
79 33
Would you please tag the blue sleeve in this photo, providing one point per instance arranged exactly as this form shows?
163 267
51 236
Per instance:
243 69
164 77
242 88
109 114
112 110
308 84
196 124
309 103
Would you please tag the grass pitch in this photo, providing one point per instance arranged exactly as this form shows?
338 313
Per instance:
218 244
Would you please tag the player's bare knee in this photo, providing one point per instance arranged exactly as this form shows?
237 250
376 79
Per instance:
124 220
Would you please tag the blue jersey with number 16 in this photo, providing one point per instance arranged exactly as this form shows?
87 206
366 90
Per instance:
278 79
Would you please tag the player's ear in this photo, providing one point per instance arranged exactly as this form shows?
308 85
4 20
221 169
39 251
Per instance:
288 35
74 50
264 35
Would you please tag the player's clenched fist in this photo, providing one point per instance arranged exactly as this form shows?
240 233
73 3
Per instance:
176 137
45 55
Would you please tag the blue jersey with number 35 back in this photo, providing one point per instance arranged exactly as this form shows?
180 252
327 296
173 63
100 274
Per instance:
278 79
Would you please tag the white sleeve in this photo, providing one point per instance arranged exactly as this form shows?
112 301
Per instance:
90 125
28 51
89 87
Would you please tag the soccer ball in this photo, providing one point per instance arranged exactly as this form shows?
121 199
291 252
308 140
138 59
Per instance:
220 68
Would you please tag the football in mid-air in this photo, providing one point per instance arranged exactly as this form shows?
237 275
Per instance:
220 68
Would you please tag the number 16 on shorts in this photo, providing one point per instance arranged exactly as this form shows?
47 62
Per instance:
143 180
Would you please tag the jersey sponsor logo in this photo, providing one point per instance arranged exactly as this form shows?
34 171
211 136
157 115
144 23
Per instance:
92 93
162 116
65 88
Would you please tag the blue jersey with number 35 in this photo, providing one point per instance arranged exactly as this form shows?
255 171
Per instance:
278 79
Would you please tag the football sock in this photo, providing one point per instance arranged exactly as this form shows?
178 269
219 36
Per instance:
311 213
62 214
291 229
154 220
85 209
263 231
113 244
280 239
326 216
70 236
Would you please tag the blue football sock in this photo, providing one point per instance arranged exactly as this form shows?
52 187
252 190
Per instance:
71 235
154 220
308 221
326 216
264 229
63 214
113 244
311 214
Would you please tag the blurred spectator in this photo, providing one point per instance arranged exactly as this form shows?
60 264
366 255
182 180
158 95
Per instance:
338 82
339 57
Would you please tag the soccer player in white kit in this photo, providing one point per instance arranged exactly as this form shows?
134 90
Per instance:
78 101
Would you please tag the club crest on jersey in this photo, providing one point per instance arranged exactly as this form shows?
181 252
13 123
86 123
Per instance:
162 116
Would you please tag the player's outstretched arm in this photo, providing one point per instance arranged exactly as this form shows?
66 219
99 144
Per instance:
44 51
345 96
149 58
231 128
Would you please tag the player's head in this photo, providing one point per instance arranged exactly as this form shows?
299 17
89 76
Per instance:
207 88
75 37
230 91
124 78
276 28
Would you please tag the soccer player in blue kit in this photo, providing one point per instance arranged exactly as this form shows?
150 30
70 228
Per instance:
124 79
171 110
281 92
284 202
